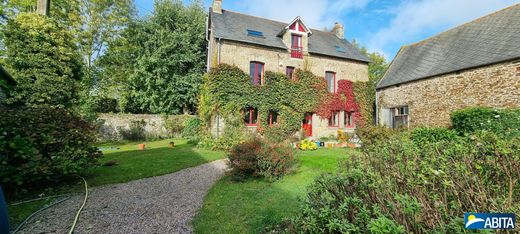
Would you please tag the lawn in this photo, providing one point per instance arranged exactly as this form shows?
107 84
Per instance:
132 164
254 205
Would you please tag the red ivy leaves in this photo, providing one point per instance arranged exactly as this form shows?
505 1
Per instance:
342 100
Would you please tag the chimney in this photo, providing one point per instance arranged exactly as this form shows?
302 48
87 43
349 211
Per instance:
339 30
43 7
217 6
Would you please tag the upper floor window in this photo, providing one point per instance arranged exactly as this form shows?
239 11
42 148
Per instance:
349 119
289 72
256 72
334 119
296 46
331 81
272 118
250 116
399 117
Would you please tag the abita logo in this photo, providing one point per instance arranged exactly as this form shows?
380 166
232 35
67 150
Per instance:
489 221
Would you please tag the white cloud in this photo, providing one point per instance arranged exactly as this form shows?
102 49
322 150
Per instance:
315 13
412 19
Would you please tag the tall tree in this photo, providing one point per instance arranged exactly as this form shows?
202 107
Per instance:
43 59
171 59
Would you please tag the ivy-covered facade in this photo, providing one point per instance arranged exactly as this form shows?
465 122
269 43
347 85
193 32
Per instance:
287 77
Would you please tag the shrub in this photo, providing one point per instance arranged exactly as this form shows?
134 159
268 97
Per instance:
135 131
370 134
306 144
384 225
175 124
257 157
43 145
432 135
505 121
191 127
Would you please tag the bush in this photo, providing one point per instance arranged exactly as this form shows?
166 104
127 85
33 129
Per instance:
191 127
135 131
402 182
432 135
175 124
370 134
257 157
505 121
308 145
43 145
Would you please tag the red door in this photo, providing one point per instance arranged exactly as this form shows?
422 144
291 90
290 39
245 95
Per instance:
307 124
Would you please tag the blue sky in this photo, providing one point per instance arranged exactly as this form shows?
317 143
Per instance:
380 25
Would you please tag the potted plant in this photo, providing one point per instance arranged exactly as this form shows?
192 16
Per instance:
141 146
171 144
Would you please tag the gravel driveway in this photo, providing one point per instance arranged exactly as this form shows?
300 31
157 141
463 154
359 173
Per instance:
163 204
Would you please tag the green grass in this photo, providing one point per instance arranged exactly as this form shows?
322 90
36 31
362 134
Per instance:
253 205
132 164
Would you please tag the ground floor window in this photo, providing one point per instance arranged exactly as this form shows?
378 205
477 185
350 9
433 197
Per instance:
289 72
349 119
250 116
334 119
272 118
399 117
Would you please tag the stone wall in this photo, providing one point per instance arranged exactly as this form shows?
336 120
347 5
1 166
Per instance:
430 101
155 125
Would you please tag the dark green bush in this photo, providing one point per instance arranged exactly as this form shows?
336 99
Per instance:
432 135
257 157
135 132
43 145
105 105
502 121
191 127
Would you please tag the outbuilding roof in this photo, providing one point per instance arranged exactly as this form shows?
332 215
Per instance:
234 26
491 39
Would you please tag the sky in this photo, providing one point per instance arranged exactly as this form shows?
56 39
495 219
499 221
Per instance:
380 25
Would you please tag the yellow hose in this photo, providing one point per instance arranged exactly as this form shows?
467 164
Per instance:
81 208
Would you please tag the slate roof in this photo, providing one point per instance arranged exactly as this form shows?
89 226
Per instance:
491 39
233 26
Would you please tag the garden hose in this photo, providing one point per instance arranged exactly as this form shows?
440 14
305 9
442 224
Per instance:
42 198
81 208
35 213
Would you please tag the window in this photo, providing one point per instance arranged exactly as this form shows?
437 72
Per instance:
349 119
334 119
256 72
399 117
289 71
250 116
296 46
272 118
340 49
254 33
331 81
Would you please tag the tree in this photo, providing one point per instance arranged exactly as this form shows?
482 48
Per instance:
43 59
171 59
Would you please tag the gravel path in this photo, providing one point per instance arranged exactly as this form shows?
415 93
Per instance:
162 204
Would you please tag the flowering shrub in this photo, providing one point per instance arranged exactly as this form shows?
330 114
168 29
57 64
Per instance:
257 157
470 120
306 144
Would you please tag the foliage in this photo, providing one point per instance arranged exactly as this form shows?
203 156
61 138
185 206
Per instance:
432 135
227 90
467 121
175 124
104 105
371 134
306 144
43 59
384 225
258 157
343 136
191 127
42 145
171 58
423 188
135 132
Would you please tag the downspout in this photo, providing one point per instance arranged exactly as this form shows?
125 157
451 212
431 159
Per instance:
208 49
219 45
377 108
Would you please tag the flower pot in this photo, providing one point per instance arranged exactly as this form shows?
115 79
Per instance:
171 144
141 146
351 145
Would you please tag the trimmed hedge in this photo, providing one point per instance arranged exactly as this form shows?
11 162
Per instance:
503 121
43 145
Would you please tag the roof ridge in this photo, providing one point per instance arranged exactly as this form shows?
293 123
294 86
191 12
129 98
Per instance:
460 26
276 21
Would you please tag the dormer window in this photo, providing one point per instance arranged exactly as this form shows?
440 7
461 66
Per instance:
296 46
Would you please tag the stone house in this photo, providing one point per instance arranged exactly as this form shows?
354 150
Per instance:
257 45
476 64
5 81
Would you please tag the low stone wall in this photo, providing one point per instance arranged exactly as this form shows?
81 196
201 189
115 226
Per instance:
156 125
